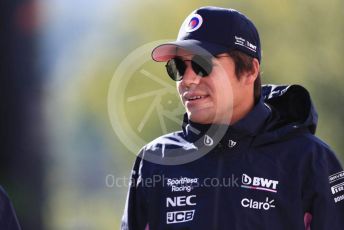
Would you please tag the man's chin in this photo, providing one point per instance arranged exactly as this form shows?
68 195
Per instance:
200 117
204 117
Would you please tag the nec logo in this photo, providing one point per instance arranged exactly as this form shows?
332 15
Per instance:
259 183
180 201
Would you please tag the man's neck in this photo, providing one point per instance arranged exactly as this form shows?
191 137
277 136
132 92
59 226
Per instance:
241 110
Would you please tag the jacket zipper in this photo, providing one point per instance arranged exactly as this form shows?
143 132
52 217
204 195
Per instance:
219 173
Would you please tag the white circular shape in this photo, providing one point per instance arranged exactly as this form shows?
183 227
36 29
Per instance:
130 137
192 17
116 95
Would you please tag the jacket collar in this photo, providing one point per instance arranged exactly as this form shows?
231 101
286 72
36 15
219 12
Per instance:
250 125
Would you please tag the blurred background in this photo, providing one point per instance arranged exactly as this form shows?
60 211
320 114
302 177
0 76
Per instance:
68 66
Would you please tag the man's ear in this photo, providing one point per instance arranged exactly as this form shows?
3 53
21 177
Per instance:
251 75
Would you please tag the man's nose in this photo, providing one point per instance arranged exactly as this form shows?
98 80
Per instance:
190 77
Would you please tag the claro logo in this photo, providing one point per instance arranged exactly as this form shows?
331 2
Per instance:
259 183
250 203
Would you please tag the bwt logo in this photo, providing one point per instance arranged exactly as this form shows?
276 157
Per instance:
180 201
179 216
259 183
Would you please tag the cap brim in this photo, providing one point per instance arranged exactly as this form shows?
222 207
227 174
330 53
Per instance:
167 51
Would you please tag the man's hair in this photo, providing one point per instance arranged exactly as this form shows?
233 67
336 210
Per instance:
244 63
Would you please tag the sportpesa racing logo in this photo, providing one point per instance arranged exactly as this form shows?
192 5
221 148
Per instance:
182 184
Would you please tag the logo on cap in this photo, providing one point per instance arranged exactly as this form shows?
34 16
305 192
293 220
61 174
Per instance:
194 23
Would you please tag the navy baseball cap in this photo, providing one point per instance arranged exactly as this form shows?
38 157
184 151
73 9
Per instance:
213 30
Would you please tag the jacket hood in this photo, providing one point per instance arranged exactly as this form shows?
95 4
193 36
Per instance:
292 111
282 111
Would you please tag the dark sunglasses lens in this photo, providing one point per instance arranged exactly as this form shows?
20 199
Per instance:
176 69
202 66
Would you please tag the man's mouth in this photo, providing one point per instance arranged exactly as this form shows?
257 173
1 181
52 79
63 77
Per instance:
195 98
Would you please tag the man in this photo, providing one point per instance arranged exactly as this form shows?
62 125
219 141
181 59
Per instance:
259 140
8 218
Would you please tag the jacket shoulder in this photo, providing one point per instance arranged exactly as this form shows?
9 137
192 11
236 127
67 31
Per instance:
175 140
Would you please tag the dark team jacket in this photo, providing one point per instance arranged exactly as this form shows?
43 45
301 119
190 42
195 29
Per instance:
8 218
267 171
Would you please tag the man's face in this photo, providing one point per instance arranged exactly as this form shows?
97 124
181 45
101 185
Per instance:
212 99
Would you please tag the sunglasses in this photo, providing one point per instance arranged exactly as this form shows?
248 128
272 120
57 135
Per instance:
201 65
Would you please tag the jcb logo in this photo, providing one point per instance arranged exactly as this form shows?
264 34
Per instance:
179 201
179 216
259 183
